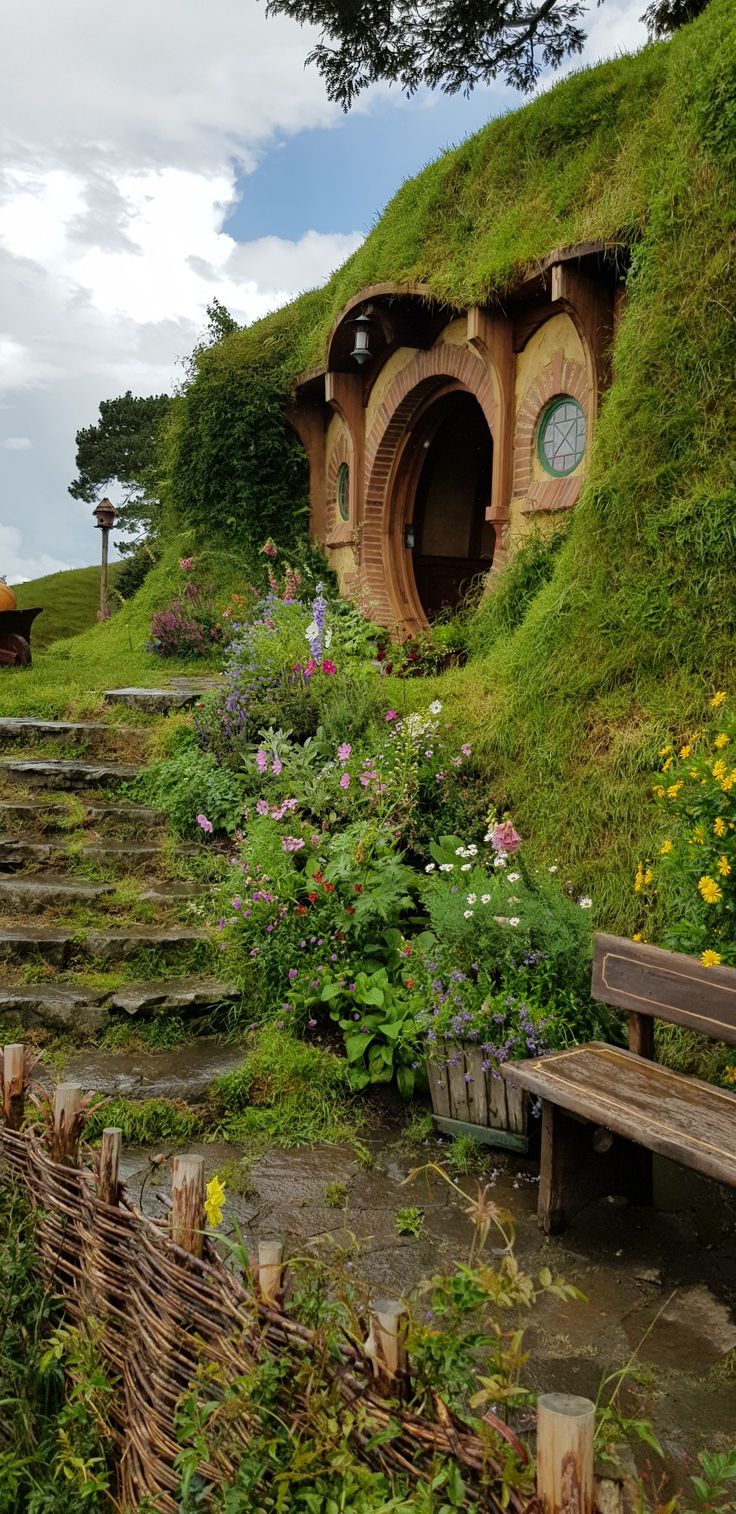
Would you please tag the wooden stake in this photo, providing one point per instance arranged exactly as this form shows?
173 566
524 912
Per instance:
108 1183
14 1073
387 1343
565 1428
187 1203
270 1267
65 1141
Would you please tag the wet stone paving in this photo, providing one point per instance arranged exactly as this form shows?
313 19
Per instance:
659 1283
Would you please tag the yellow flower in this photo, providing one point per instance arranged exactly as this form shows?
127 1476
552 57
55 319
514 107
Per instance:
720 741
658 791
643 877
685 750
667 765
729 782
214 1200
729 1074
638 936
698 834
673 790
717 700
709 889
665 752
710 959
665 848
724 866
692 773
719 769
719 827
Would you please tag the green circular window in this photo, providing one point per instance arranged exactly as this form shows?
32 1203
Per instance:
343 491
561 439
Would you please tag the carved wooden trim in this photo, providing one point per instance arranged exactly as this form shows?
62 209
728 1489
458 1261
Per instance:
560 376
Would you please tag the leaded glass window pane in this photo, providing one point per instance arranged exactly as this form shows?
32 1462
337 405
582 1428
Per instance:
562 437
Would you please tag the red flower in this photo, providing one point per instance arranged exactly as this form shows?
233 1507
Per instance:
329 888
318 876
328 667
409 982
357 888
301 909
312 898
349 909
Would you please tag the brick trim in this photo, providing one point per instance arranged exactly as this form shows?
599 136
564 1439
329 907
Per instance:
340 531
382 580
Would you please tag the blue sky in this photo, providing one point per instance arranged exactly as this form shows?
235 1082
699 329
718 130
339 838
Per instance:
340 178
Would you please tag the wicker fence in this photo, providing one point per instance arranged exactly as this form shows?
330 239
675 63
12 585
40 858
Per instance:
170 1307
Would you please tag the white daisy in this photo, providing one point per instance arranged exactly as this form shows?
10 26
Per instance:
514 920
468 913
501 860
430 867
472 898
514 877
466 867
552 869
585 903
446 867
435 708
485 898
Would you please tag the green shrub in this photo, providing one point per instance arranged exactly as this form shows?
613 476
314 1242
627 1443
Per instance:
190 783
287 1093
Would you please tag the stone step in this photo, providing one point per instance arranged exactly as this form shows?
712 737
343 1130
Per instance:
59 947
32 893
95 732
69 1007
42 815
16 853
65 774
174 695
185 1073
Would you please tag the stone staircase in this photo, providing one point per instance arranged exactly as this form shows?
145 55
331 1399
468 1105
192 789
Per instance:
84 895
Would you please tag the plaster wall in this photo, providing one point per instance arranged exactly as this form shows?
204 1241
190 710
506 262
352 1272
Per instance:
456 333
335 431
396 362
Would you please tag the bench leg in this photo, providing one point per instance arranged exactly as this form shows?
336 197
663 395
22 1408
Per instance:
573 1174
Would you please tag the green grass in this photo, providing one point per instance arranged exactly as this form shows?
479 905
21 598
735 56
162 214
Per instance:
70 602
145 1121
287 1093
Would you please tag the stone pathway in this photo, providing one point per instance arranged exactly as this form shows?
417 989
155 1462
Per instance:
75 898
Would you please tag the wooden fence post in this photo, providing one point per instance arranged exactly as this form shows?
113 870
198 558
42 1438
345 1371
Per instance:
187 1203
108 1182
65 1139
14 1077
270 1266
387 1344
565 1470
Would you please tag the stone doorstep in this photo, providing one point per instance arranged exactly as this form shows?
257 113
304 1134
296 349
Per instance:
31 808
58 946
67 1007
185 1073
61 773
178 693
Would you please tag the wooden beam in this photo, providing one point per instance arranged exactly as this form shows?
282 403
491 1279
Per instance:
565 1461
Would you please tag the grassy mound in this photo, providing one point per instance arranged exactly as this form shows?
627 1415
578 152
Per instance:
70 602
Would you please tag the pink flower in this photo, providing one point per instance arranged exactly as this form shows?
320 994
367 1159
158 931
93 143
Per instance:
345 781
276 766
292 843
505 838
261 760
465 749
269 550
328 667
390 715
186 564
310 668
205 824
344 751
262 807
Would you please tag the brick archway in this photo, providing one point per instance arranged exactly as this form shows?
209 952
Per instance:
385 582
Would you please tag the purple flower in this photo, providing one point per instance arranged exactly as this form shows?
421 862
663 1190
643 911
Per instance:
205 824
344 751
292 843
262 807
261 760
390 715
345 781
276 766
293 973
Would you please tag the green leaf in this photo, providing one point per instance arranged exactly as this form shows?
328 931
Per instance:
405 1081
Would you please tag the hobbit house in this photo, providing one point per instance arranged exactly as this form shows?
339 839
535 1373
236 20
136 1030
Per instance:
436 437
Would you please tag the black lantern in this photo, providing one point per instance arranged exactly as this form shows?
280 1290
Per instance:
361 351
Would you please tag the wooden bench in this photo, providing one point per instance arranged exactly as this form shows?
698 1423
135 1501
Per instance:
606 1110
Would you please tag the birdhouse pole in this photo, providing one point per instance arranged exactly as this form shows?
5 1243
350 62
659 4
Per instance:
104 514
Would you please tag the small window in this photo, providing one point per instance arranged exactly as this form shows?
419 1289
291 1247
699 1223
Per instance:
343 491
561 439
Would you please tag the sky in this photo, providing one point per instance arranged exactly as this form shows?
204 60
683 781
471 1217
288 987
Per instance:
153 156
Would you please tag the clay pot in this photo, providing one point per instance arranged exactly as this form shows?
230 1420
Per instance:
8 600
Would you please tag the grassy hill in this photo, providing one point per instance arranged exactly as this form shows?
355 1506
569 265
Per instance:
70 602
580 674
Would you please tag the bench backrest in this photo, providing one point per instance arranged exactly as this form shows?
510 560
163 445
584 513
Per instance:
648 981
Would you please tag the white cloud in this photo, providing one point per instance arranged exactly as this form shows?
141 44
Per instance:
124 132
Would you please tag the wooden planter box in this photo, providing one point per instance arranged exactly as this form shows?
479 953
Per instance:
485 1107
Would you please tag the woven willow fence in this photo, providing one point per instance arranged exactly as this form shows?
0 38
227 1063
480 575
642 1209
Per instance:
170 1307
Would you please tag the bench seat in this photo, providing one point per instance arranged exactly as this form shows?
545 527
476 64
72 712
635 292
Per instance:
643 1106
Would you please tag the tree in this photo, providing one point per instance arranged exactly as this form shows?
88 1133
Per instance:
450 44
122 448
